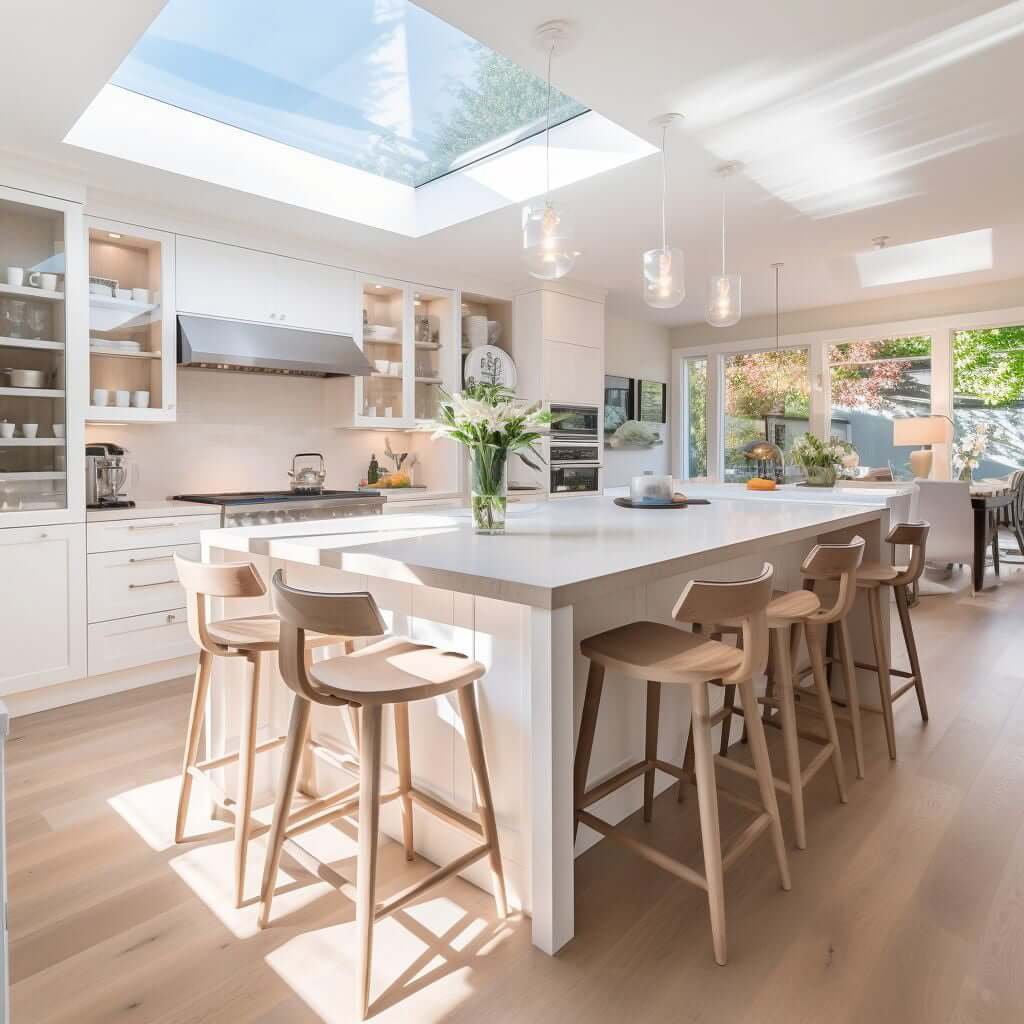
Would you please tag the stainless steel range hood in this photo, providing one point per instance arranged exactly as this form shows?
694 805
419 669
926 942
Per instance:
214 344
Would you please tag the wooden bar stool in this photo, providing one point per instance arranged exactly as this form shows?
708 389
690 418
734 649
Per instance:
658 654
393 671
871 578
789 614
248 638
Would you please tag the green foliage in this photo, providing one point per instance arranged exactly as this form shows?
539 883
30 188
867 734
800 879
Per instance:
984 369
697 406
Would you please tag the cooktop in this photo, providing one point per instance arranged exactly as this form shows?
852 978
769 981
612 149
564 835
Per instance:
269 497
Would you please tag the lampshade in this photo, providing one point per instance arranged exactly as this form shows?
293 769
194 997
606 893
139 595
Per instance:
914 430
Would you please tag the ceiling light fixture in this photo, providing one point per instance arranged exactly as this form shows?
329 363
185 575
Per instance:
547 233
723 306
665 268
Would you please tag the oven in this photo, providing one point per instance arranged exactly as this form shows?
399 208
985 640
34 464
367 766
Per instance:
575 468
575 423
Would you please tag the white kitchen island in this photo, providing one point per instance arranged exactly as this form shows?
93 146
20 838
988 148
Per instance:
521 603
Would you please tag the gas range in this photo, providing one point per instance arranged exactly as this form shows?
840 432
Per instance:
258 508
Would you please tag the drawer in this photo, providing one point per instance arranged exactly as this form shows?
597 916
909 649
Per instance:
136 581
139 640
125 534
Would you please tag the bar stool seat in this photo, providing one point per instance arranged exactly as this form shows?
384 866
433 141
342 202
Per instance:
258 633
786 608
652 650
873 574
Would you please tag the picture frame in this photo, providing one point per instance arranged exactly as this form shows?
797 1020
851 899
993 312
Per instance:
619 401
652 400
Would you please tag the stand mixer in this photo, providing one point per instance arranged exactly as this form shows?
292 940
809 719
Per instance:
105 475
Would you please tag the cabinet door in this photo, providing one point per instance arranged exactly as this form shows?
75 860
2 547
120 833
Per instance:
225 280
572 320
314 296
42 606
573 374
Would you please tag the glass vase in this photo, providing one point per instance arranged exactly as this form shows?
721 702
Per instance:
488 488
820 476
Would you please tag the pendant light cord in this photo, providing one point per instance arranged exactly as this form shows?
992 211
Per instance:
778 314
664 184
547 129
723 229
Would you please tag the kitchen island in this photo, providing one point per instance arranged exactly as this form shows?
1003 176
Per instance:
520 603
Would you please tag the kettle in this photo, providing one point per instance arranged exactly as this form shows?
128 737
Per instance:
308 479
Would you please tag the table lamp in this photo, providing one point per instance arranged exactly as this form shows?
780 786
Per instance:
922 430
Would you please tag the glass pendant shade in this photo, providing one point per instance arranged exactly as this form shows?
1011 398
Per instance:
664 277
723 308
547 241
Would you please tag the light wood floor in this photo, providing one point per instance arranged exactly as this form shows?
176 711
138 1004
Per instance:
907 907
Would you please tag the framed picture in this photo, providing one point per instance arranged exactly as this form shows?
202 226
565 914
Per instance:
618 402
651 400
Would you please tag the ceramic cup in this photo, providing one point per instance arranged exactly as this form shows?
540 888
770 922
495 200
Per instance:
140 399
140 295
124 293
48 282
58 430
16 276
6 429
29 429
100 397
122 399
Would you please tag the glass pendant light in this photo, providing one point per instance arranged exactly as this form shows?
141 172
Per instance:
723 305
547 233
664 268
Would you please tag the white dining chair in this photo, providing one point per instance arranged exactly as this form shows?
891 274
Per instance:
946 505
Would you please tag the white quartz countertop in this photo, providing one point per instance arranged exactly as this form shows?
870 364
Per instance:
790 492
554 553
151 510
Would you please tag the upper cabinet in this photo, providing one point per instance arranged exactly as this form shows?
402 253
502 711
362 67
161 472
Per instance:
131 324
572 320
228 281
42 359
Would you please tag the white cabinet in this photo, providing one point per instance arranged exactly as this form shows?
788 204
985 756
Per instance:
42 606
214 279
139 640
573 320
573 374
135 582
155 531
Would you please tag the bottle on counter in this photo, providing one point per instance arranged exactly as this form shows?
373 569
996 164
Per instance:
373 473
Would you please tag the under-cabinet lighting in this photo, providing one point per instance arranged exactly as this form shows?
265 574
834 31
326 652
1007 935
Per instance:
113 234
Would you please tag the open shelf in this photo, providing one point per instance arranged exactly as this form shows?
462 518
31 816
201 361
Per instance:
25 292
429 380
124 305
127 414
49 474
31 392
31 442
43 346
114 354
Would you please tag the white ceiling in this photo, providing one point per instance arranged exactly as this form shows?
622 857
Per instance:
854 120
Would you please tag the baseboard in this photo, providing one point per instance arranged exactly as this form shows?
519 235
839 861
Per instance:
30 702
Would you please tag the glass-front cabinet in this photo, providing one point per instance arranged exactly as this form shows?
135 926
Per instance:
41 359
131 324
408 333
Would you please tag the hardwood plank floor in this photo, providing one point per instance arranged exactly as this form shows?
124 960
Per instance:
907 906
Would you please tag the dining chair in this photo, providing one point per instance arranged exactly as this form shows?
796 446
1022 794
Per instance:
946 505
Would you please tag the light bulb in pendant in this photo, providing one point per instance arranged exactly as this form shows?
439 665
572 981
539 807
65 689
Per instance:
547 241
723 305
664 277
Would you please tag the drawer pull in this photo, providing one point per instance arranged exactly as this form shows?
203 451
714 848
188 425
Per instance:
152 558
159 583
152 526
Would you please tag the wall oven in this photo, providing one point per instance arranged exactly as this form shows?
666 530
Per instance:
575 423
575 468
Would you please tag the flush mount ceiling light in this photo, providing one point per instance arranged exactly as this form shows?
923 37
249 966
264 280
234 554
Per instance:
664 269
918 261
723 305
547 234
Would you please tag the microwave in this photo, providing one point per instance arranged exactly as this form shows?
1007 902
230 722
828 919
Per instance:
576 478
574 423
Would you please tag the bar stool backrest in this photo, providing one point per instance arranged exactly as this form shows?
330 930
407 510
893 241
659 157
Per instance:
346 616
208 579
741 604
838 562
914 536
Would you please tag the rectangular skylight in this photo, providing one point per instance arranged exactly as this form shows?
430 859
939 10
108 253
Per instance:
933 257
378 85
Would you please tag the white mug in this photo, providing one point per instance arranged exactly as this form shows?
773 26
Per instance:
122 399
29 429
140 295
16 276
6 429
48 282
58 430
100 397
140 399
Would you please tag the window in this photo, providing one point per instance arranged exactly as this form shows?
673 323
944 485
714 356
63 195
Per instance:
695 417
379 85
872 383
767 395
988 391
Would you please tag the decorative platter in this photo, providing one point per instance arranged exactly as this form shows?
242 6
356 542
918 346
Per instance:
626 503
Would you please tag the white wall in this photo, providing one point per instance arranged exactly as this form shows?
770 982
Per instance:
641 350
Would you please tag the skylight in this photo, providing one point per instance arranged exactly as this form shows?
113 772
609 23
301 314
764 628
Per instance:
381 86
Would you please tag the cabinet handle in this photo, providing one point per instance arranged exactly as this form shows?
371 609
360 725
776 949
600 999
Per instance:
143 586
282 317
43 536
151 526
154 558
172 617
273 316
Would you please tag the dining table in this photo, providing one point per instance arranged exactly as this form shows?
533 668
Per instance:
988 499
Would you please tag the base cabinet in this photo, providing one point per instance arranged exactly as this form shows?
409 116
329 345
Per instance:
139 640
43 598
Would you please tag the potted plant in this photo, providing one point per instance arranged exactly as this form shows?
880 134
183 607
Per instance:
969 450
820 460
491 424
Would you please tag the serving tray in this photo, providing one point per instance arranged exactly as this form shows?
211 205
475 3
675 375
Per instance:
626 503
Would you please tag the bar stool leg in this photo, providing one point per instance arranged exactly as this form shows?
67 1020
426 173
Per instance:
585 745
852 695
291 762
651 744
246 778
196 714
366 871
882 661
903 606
814 638
707 800
482 782
403 750
790 740
687 761
759 753
729 701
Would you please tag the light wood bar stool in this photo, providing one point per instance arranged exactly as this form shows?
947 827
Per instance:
248 638
871 578
789 615
395 671
658 654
